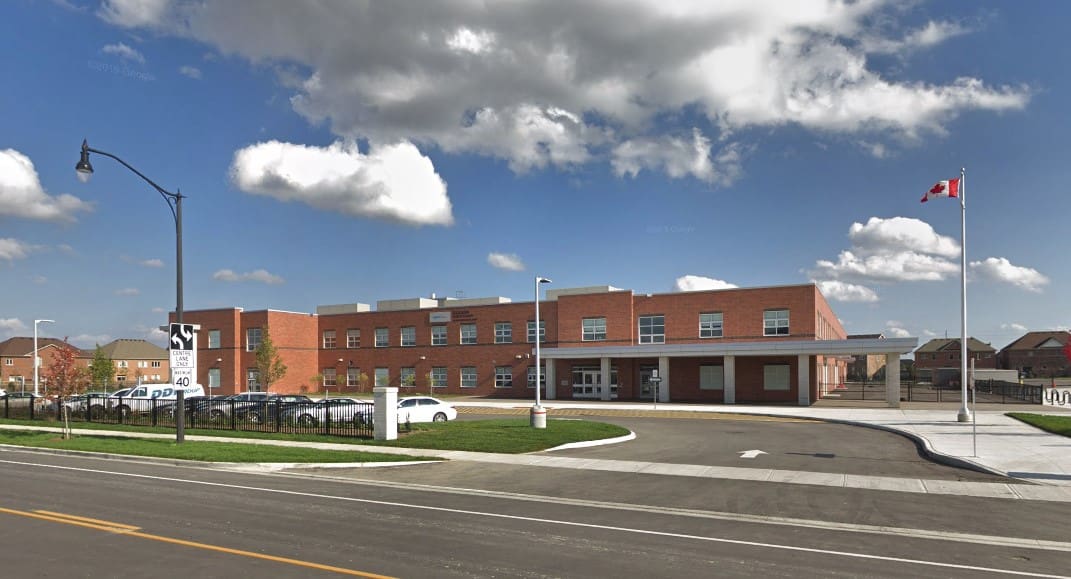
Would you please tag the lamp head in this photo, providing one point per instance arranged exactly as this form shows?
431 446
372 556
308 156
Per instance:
84 169
541 279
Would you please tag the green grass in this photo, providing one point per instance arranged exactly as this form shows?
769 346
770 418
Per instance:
191 450
1055 424
508 436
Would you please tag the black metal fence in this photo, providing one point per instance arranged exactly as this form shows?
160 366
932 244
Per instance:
326 417
986 392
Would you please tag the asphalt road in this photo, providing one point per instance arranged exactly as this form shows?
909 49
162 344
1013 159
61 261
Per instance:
140 519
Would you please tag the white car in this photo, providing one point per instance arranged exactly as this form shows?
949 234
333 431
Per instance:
3 392
424 409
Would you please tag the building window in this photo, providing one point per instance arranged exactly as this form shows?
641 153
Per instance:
214 379
775 323
120 363
542 331
353 338
652 329
712 377
9 361
213 339
468 377
542 377
503 377
438 335
329 339
143 363
252 339
252 380
775 377
382 377
353 377
408 336
594 329
330 377
155 363
382 337
408 377
503 332
710 325
438 377
468 333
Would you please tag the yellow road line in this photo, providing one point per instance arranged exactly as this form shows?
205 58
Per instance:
685 414
131 531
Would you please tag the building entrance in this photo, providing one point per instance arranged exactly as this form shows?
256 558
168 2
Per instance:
587 383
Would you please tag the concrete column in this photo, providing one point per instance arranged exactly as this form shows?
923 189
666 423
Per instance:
803 380
729 395
663 372
551 379
385 412
892 379
604 377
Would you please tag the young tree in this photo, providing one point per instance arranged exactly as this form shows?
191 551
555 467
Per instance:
101 369
64 378
269 365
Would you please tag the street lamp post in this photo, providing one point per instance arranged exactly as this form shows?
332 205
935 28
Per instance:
538 413
36 358
174 202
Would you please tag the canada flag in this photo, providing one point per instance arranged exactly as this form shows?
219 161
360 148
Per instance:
949 188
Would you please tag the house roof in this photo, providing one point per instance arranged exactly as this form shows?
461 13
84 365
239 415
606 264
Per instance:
129 349
1034 340
942 344
19 347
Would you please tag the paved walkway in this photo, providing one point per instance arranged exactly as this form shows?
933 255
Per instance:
994 443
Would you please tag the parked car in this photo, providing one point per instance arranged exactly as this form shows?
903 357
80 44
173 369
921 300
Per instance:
424 409
79 402
337 409
3 392
100 406
264 409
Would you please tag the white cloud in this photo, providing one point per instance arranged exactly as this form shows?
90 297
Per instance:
392 182
158 311
12 249
124 52
190 71
128 291
154 262
509 261
259 275
929 334
897 332
999 269
11 325
1014 326
679 157
695 283
890 250
539 84
846 292
21 194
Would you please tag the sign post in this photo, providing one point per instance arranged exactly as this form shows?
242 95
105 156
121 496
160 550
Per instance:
183 359
655 380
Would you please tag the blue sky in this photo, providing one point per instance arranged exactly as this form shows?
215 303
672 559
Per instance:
334 152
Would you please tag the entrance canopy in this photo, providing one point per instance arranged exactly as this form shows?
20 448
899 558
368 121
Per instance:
718 348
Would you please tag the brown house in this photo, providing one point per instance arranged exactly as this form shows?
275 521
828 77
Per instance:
1038 355
16 361
944 354
136 361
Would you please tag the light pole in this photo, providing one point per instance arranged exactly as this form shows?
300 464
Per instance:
84 171
36 358
538 413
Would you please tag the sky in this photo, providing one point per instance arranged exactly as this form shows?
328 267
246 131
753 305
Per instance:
341 152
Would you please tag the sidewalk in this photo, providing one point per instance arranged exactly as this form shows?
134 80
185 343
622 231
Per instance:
1005 445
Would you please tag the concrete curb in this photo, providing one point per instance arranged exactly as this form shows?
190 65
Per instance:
591 443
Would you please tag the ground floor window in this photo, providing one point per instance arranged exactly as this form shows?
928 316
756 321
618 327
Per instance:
775 377
503 377
353 377
438 377
712 377
408 376
330 377
468 377
542 377
382 377
214 380
252 380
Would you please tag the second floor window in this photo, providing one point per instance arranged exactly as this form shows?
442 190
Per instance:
503 333
252 339
438 335
213 339
382 337
710 325
329 339
652 329
594 329
468 333
408 336
775 323
353 338
542 331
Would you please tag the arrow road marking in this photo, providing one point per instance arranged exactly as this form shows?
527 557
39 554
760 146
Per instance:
750 453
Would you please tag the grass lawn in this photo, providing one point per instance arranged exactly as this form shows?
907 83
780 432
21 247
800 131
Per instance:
191 450
1055 424
508 436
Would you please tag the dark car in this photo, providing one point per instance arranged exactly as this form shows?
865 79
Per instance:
269 408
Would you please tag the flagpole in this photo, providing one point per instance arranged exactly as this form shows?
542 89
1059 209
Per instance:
964 412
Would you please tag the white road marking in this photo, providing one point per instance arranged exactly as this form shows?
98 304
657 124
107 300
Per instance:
914 533
750 453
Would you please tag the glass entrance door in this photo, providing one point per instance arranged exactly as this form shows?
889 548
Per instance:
646 388
587 383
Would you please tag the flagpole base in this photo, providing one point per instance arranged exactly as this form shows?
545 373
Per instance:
964 415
